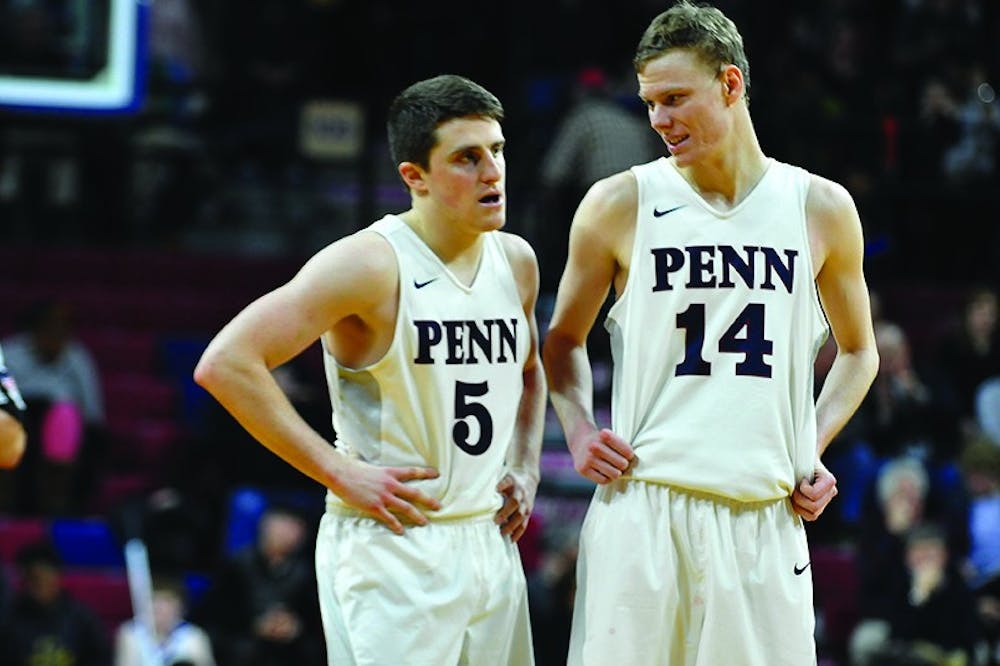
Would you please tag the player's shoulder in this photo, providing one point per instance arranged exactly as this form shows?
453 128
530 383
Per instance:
609 206
828 200
364 251
517 249
364 260
522 260
618 192
833 221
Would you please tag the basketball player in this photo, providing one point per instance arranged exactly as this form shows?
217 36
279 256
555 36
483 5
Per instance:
726 266
430 343
12 407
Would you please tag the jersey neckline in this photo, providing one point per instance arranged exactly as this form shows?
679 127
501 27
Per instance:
672 172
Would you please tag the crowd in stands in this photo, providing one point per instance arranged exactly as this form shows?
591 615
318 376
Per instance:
121 239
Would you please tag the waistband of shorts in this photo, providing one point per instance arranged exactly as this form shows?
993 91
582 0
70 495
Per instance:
341 511
620 485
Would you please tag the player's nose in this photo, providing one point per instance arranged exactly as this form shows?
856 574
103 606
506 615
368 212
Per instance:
660 117
492 168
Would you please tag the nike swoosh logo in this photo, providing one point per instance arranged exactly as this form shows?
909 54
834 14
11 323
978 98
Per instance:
661 213
798 571
421 285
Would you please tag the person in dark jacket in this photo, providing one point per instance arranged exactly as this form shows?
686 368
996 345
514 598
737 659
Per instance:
45 624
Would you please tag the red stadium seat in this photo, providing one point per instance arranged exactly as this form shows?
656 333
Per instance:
104 592
18 532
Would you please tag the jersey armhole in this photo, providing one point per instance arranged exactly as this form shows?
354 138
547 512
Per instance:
400 311
627 289
819 312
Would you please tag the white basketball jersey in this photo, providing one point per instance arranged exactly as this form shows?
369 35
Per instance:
714 337
446 393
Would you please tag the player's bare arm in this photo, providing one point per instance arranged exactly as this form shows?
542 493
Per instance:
13 437
12 441
599 251
346 288
520 484
837 245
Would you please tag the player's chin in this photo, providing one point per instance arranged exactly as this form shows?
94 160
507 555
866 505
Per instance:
492 218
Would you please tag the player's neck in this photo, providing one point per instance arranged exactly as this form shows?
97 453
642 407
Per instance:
730 173
457 248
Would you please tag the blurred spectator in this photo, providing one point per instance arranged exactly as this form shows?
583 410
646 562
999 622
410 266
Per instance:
59 381
988 608
937 123
900 417
970 355
980 464
180 533
176 641
988 408
900 502
934 620
598 136
12 408
974 156
929 610
46 625
263 609
899 401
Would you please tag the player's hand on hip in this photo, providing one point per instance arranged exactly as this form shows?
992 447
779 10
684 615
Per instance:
603 457
383 493
811 497
518 490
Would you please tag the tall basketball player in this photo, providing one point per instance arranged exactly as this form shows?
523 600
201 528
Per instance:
430 344
726 267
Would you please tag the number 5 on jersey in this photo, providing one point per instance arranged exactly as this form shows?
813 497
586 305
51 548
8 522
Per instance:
467 408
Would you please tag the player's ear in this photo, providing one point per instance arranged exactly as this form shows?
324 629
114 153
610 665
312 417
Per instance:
413 176
732 83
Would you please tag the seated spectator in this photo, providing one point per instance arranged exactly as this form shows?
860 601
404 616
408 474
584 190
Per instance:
899 403
901 416
934 619
263 609
46 625
930 618
969 355
60 384
175 642
980 463
899 504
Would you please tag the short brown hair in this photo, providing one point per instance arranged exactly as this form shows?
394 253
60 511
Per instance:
703 29
418 111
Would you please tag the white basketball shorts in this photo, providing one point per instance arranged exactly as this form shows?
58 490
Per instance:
670 578
448 593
